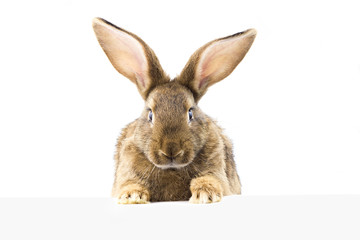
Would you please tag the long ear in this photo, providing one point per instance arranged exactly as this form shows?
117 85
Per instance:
130 56
215 61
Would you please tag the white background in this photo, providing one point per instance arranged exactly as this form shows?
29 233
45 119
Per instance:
236 217
292 107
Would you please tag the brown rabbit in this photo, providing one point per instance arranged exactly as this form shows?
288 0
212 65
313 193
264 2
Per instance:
173 151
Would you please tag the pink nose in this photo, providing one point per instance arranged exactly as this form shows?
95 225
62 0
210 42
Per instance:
171 151
171 156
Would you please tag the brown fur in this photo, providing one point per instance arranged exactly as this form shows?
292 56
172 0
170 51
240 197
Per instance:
172 157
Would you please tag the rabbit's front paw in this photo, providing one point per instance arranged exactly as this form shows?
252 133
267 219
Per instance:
205 189
134 194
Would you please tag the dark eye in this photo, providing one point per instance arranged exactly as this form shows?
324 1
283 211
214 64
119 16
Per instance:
191 115
150 116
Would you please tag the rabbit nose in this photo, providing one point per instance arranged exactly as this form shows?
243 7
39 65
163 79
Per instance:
172 151
171 156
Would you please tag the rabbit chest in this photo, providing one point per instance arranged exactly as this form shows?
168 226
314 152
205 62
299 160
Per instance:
169 185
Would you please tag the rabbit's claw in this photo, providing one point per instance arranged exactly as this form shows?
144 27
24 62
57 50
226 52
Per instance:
205 197
134 195
206 189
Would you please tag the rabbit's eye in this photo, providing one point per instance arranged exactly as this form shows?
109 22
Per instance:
191 115
150 116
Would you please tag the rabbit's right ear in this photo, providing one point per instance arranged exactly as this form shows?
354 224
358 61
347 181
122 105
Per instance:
130 56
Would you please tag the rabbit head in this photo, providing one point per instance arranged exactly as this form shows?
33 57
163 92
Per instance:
171 129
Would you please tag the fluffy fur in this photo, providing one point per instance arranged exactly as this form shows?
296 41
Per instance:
173 151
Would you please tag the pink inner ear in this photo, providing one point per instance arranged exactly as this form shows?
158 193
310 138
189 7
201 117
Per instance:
140 79
203 82
125 53
205 65
134 55
217 61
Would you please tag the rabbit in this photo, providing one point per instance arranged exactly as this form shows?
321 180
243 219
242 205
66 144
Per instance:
173 151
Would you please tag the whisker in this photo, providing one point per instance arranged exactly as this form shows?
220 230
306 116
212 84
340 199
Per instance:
196 169
152 170
153 139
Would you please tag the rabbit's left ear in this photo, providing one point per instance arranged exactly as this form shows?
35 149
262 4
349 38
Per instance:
215 61
130 56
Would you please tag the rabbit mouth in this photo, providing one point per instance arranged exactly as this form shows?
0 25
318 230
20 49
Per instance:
171 165
176 161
